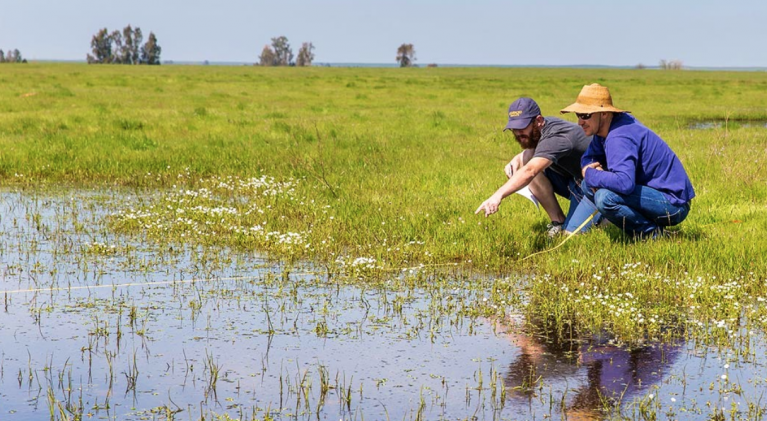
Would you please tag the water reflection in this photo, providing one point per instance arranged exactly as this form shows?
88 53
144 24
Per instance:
583 376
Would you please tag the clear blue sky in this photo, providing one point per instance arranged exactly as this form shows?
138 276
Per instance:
551 32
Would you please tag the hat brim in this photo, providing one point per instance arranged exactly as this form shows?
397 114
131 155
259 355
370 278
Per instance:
519 123
588 109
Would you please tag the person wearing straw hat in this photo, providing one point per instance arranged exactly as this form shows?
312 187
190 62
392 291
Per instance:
636 181
549 164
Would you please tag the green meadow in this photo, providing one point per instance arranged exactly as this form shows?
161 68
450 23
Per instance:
382 170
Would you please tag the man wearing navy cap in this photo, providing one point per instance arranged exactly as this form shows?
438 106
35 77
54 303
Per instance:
550 163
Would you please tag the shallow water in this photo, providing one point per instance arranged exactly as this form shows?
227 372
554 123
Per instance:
101 332
720 124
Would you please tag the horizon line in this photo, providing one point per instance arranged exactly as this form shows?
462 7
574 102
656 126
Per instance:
387 65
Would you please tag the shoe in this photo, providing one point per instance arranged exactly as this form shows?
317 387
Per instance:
553 229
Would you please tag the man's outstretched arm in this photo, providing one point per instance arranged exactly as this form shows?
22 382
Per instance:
518 180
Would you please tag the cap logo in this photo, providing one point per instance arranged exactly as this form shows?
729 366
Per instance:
513 114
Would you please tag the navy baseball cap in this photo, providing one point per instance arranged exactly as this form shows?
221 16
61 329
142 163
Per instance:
521 113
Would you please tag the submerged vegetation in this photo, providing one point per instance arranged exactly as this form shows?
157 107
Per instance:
369 178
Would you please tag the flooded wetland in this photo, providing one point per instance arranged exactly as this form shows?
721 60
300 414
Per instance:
104 325
247 243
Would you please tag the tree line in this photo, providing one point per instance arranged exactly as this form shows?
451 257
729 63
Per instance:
124 47
12 56
279 53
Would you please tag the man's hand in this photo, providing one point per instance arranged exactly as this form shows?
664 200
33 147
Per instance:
513 166
490 206
594 165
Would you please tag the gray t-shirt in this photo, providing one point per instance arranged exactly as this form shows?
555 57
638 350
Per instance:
563 143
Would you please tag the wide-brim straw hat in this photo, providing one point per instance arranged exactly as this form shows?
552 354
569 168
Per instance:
593 98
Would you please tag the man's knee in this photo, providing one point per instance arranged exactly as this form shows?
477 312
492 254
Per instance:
606 200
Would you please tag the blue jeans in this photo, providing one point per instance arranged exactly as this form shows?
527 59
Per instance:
644 212
580 207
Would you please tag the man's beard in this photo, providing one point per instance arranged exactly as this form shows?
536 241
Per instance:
530 142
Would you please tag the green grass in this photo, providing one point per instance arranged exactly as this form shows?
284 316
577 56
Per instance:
400 158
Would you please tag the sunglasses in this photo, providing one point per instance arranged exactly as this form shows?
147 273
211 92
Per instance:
584 116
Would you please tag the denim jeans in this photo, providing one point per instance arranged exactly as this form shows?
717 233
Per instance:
580 207
644 212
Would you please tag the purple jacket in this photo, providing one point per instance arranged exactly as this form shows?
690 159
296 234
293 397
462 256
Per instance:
633 155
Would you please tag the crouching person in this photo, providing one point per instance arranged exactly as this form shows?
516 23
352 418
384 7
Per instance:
549 164
633 177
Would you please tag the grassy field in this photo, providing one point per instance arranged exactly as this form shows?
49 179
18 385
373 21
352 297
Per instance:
381 169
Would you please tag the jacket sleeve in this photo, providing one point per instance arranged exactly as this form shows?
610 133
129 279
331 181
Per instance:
619 175
594 153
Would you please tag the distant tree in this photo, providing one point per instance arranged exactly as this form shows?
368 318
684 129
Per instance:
2 56
125 48
640 66
305 55
267 57
17 56
406 55
283 53
135 47
117 48
101 45
150 52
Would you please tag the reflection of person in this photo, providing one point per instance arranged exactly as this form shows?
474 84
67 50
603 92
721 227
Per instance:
610 372
549 164
630 173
